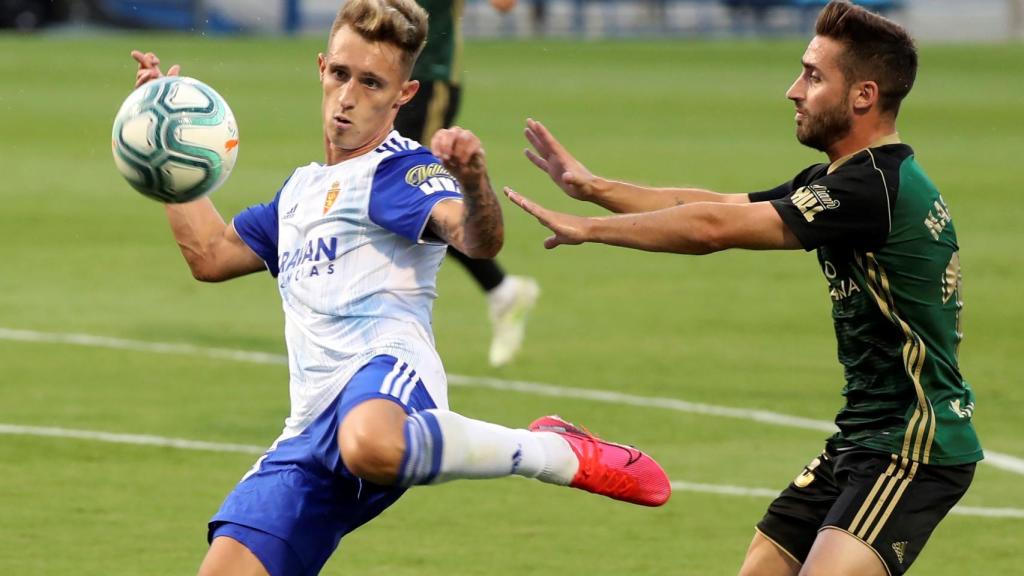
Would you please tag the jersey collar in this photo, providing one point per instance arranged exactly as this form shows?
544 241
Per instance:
893 138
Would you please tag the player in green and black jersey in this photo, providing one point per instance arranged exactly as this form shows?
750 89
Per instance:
887 247
435 105
906 448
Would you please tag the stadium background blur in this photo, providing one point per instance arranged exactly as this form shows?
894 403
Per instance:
132 398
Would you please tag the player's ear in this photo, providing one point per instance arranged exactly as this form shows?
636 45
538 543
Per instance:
321 63
409 89
865 95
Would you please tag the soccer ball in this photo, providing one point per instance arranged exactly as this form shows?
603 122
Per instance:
175 139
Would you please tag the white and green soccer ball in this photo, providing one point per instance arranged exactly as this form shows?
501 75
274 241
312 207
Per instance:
175 139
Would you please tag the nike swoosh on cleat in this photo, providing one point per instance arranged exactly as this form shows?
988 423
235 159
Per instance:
634 454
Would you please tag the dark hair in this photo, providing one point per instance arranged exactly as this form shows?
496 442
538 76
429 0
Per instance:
401 23
875 48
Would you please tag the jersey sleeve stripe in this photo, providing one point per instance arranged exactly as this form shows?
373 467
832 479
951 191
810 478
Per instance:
885 185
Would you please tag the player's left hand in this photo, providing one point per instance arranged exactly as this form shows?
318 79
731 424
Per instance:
568 229
565 170
149 67
462 154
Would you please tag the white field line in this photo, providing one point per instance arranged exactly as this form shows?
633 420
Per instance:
182 444
137 439
1002 461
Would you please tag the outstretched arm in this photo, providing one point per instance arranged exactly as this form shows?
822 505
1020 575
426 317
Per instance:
213 250
699 228
574 179
473 226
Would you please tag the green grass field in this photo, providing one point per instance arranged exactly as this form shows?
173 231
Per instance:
83 253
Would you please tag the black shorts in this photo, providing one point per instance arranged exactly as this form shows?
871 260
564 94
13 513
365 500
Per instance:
887 502
432 108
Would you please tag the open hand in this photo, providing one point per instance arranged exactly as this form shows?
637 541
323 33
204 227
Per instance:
549 155
149 68
568 229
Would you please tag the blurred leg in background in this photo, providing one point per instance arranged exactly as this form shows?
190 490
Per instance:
539 16
509 298
1016 19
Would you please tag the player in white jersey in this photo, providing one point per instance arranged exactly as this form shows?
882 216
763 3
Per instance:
355 244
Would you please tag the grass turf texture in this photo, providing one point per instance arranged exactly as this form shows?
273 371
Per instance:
82 252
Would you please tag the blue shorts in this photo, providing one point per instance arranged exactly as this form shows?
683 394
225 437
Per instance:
293 510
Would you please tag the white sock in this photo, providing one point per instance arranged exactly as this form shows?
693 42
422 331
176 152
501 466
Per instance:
442 445
504 292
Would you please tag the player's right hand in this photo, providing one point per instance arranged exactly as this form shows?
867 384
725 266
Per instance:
149 68
565 170
462 154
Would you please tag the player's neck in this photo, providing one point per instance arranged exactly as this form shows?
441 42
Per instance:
335 155
862 135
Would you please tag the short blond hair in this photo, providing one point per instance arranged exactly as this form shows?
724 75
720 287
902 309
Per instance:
401 23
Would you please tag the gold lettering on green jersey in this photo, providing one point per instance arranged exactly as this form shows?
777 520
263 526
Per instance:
951 278
962 412
938 218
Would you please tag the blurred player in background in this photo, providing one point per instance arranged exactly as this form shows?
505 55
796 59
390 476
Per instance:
355 245
906 448
435 106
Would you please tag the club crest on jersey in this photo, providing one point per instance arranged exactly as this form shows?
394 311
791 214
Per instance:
812 200
431 178
332 195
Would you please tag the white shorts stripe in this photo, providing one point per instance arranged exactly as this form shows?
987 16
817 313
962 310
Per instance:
401 379
396 386
404 399
396 392
385 387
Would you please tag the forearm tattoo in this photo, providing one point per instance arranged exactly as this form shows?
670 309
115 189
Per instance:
482 224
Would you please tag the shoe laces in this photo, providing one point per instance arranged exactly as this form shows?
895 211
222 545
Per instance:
596 474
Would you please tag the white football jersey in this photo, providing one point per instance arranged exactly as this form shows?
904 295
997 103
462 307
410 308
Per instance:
357 275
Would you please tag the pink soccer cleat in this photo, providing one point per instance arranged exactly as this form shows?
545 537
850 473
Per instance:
612 470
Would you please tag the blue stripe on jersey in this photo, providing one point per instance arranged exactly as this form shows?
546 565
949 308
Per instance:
257 227
405 189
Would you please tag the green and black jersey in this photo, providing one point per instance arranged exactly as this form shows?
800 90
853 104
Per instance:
440 59
887 247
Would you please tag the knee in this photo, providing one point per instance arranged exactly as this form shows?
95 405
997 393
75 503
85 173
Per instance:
374 457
